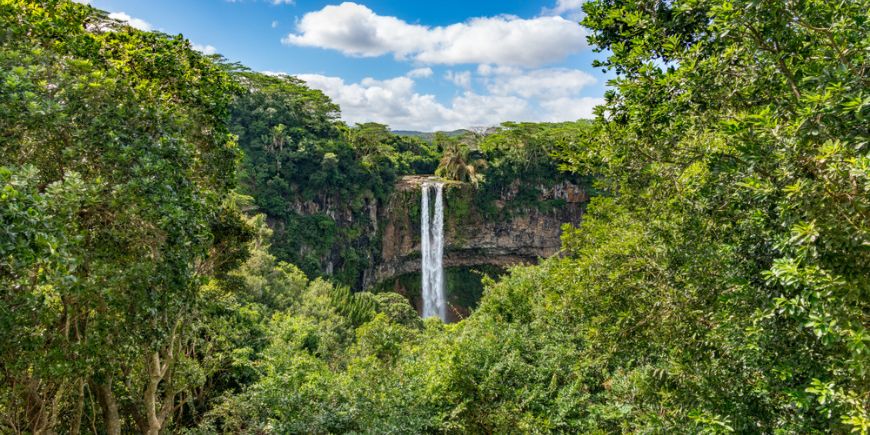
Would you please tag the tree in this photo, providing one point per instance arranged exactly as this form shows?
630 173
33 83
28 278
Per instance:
117 140
302 166
458 164
737 130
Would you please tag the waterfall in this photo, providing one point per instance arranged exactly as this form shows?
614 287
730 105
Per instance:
432 250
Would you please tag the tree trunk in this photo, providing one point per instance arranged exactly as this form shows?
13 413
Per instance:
159 371
76 426
106 397
155 375
36 413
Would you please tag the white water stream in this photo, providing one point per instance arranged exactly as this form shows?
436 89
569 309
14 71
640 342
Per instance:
432 250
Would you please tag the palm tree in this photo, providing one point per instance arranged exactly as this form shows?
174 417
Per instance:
458 164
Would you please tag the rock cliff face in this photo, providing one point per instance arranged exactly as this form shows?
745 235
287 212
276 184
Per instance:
369 240
505 235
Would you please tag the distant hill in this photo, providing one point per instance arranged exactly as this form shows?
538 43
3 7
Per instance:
428 136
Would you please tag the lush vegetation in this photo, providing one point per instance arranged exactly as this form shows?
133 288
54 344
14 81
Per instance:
322 183
721 285
117 170
519 163
463 286
317 178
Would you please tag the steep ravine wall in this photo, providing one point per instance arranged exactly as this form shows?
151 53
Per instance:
507 235
382 237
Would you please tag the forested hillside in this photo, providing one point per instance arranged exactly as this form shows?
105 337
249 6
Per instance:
322 183
304 169
165 216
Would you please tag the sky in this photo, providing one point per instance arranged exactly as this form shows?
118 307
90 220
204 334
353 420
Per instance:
412 65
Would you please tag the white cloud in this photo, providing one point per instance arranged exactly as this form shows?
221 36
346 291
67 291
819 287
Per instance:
274 24
562 109
420 73
461 79
131 21
487 70
396 103
546 83
204 49
472 109
571 9
356 30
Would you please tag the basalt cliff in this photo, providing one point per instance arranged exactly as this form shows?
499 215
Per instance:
507 228
502 235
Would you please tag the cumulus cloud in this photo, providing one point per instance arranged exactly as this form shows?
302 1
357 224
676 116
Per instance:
420 73
204 49
488 70
131 21
391 102
546 83
562 109
396 103
571 9
356 30
461 79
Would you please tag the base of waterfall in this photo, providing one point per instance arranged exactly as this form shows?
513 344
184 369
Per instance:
463 288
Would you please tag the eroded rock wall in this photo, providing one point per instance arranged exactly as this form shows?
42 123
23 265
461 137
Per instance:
380 239
506 235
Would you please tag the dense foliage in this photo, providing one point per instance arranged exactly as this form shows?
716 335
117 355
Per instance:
322 183
520 164
316 178
721 285
745 154
116 168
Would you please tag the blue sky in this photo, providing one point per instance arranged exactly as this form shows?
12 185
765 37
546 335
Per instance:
409 64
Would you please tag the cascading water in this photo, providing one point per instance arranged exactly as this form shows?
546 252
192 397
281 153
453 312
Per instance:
432 250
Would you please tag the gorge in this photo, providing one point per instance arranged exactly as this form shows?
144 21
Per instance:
518 223
476 240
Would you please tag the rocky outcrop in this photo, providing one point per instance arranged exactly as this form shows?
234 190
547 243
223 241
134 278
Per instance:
370 240
505 235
